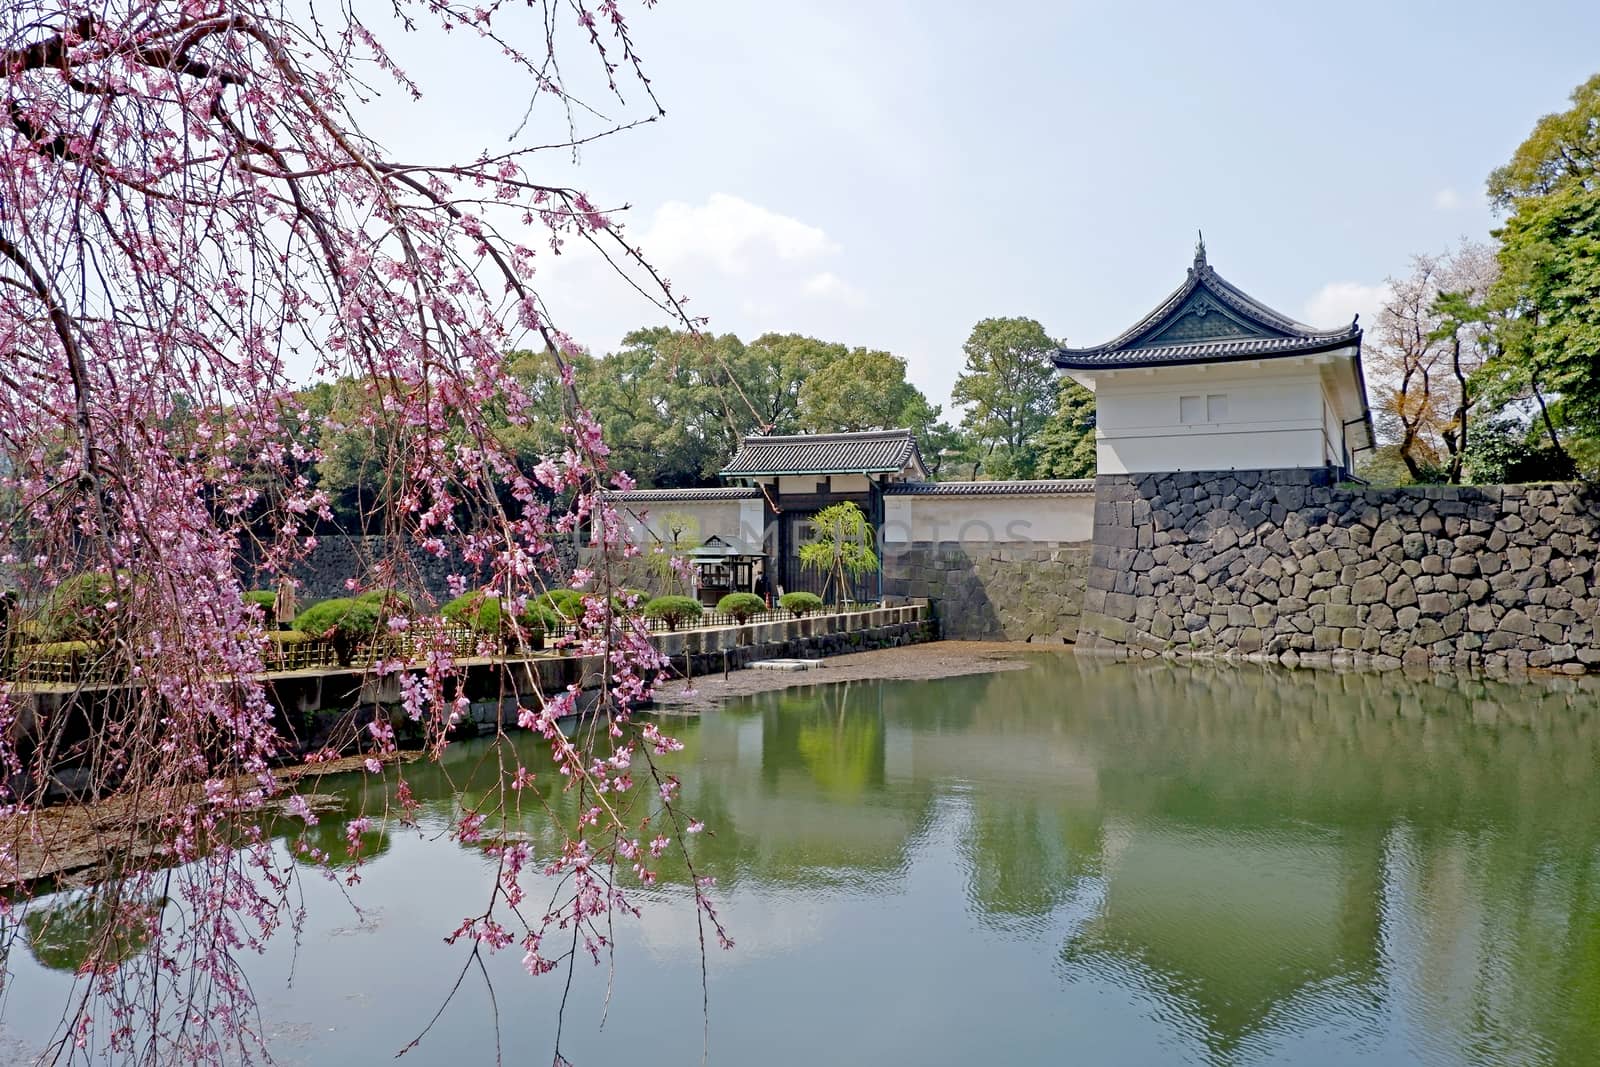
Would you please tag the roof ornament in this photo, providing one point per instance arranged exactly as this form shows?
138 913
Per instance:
1200 251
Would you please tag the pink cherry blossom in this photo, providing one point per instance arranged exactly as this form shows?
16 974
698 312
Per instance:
192 219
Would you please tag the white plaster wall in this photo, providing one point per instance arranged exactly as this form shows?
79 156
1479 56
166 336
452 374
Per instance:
649 522
752 514
851 483
989 519
809 483
1333 430
800 483
1277 416
1254 450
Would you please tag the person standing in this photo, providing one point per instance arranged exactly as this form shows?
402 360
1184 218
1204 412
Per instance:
283 603
8 608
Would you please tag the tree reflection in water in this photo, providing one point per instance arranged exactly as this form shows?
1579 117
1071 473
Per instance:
1254 855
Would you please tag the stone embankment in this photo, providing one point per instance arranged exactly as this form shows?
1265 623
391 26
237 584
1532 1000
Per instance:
1022 591
1288 565
336 558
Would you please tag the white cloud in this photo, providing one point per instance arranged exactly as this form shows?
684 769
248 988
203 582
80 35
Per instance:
749 269
1336 302
829 286
734 235
1447 199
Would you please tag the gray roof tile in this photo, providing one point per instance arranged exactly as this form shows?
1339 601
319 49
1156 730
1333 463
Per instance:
716 492
1208 319
1041 487
869 452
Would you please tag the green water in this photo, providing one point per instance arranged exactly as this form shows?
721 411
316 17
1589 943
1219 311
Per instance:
1074 863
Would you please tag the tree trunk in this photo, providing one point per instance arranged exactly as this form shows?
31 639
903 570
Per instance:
1544 414
1462 404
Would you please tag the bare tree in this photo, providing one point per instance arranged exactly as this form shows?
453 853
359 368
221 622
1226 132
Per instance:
1433 332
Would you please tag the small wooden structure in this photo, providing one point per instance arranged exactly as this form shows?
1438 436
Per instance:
724 564
800 474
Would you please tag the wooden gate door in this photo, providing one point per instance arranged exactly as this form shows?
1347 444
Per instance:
798 530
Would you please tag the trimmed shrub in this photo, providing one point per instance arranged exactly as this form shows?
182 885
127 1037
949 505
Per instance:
63 649
393 599
568 603
76 609
263 599
482 613
741 606
674 610
345 615
800 604
463 610
346 621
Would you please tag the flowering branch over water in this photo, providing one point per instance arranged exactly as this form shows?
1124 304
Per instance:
191 219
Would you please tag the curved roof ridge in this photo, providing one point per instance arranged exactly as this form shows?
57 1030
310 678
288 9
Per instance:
1245 302
786 437
1172 300
851 452
1203 275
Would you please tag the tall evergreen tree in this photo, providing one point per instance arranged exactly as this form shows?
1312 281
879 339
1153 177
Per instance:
1009 383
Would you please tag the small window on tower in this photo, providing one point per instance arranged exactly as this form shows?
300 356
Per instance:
1217 407
1191 409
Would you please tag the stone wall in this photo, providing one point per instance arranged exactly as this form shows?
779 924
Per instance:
1289 565
1016 591
323 571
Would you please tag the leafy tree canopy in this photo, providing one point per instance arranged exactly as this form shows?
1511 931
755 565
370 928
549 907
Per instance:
1066 444
864 389
1562 151
1550 272
1008 383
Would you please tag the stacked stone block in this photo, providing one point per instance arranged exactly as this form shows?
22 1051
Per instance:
1015 591
323 572
1289 565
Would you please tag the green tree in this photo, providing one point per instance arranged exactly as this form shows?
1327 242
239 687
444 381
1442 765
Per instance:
842 548
949 451
674 405
360 457
538 434
1550 252
864 389
775 370
1008 384
1550 274
1066 444
667 406
1562 152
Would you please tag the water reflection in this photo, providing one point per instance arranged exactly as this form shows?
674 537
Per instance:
86 931
1139 862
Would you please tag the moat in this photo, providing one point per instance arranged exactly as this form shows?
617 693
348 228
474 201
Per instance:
1080 861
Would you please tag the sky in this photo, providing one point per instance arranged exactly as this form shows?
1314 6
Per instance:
886 174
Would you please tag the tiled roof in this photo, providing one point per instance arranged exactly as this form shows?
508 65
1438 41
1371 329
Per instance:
870 452
1201 351
1041 487
722 545
1208 319
716 492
